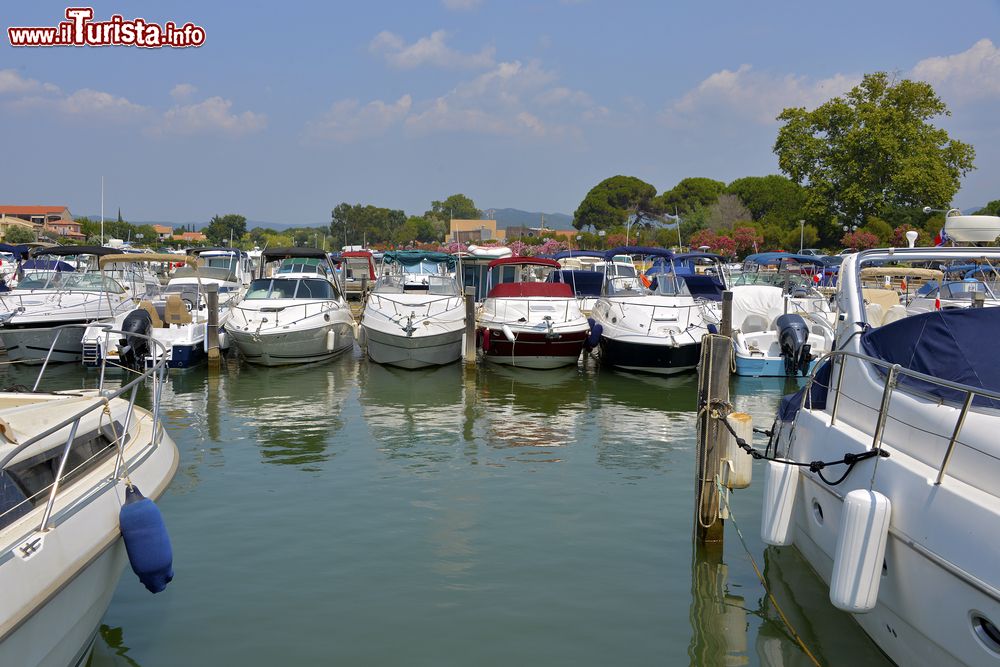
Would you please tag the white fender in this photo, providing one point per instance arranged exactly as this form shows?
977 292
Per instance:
857 566
331 340
781 482
508 333
741 468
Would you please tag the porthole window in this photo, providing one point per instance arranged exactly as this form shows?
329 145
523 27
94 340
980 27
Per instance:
986 632
817 511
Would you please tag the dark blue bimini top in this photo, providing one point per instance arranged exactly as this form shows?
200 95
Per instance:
578 253
956 344
647 251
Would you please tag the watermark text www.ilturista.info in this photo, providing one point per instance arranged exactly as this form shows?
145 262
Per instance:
79 29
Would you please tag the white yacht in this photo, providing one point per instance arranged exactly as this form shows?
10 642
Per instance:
656 329
50 297
414 318
67 460
298 315
907 537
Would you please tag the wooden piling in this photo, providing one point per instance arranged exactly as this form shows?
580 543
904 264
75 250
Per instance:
726 328
713 386
469 354
212 326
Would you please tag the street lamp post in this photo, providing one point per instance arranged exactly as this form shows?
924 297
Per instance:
802 233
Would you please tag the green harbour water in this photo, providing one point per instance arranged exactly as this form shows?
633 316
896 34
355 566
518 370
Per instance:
352 514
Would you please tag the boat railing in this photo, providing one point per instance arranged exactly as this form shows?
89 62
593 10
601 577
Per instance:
323 306
156 373
413 307
838 360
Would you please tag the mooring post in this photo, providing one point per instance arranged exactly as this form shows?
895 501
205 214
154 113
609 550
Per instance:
469 354
713 388
212 325
726 328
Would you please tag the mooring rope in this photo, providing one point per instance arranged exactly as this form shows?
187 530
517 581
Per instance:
763 582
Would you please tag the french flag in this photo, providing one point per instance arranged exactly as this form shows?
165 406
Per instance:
941 238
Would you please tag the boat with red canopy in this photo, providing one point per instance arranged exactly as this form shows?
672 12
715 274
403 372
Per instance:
527 319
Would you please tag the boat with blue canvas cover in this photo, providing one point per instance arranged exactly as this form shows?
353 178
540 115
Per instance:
905 533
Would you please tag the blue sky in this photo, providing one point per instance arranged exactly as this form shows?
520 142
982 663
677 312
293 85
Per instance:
290 108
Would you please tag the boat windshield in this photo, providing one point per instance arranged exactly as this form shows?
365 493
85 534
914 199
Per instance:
287 288
303 265
669 284
228 262
73 282
957 290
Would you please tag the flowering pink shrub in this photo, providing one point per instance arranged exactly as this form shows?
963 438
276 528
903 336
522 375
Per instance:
860 239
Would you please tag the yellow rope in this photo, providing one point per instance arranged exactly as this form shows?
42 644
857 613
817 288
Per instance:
763 582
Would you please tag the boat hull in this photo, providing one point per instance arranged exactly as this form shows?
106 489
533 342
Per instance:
31 346
645 357
533 349
757 366
412 351
298 346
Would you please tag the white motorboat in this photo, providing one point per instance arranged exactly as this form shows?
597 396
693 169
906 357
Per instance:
971 228
67 460
907 535
47 298
298 315
656 329
776 334
179 318
412 318
528 320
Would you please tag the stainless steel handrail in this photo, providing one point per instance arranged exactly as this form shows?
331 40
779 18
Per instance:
839 358
155 372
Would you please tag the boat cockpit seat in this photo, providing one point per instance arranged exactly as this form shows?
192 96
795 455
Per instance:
153 315
874 314
753 323
894 314
175 312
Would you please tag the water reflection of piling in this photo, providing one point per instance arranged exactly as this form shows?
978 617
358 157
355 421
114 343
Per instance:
718 619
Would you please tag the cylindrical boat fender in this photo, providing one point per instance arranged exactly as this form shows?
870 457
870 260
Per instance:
223 340
857 566
146 540
741 469
781 483
486 339
508 333
331 340
594 337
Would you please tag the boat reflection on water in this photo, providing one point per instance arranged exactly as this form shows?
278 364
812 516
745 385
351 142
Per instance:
529 413
293 414
830 634
644 421
110 649
413 413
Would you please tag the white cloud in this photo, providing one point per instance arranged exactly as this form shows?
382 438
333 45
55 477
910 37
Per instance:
430 50
348 120
461 5
87 101
964 77
210 116
182 92
759 96
12 83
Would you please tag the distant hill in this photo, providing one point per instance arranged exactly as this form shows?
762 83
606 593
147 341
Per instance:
508 217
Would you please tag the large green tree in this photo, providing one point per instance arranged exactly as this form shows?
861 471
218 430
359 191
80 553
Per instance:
221 229
457 207
691 194
17 234
872 151
993 208
357 224
773 197
616 200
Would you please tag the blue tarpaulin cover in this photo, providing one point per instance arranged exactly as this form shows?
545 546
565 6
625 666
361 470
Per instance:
956 344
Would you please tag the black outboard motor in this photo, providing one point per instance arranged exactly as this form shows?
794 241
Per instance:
793 335
133 349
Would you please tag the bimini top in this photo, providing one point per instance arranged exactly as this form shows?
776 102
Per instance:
223 249
410 257
680 257
769 258
637 250
19 251
274 254
147 258
534 261
955 344
67 250
578 253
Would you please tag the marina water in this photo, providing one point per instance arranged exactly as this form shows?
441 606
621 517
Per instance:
349 513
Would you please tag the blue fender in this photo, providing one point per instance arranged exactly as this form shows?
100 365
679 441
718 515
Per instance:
146 541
